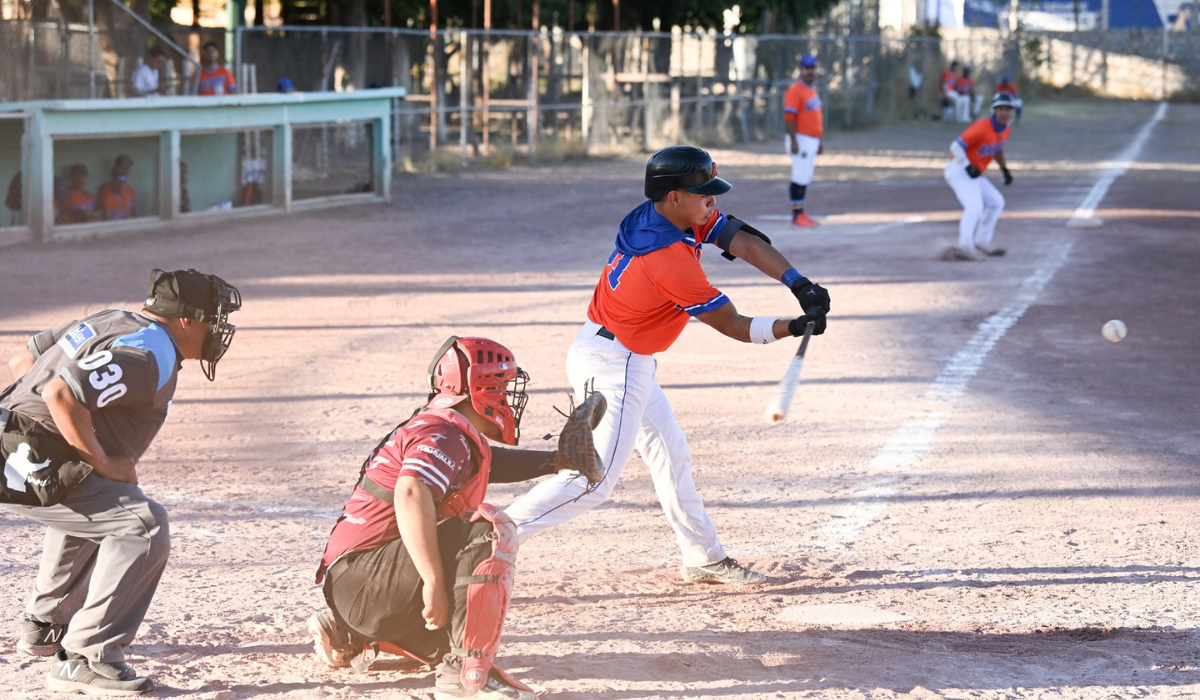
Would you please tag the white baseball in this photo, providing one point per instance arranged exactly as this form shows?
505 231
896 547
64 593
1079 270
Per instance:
1114 330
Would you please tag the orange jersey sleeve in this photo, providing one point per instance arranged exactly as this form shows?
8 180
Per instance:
802 108
646 300
982 142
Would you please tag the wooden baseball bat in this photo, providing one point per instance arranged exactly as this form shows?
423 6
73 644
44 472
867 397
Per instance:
778 408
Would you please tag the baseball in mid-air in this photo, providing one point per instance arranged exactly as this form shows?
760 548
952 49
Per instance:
1114 330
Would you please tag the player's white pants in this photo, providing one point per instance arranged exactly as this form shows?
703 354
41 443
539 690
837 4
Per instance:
981 202
804 162
640 416
950 111
963 108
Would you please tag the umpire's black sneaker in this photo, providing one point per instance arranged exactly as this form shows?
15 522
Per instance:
73 673
40 638
725 571
448 685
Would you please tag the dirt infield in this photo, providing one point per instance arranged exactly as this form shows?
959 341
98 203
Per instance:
975 495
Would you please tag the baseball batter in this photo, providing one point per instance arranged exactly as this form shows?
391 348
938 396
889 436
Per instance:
804 124
651 286
981 201
90 397
417 563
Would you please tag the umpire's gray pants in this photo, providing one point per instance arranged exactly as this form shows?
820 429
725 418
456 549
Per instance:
105 550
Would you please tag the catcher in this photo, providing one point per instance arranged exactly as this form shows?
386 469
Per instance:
418 564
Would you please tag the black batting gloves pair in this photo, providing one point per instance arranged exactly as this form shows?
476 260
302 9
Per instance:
814 299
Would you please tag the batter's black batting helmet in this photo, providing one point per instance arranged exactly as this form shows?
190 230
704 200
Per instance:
683 168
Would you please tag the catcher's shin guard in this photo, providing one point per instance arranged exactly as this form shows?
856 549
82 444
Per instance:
484 594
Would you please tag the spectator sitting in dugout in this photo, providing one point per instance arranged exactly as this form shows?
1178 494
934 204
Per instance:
118 200
76 205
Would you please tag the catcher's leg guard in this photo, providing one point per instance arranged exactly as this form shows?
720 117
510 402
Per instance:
482 596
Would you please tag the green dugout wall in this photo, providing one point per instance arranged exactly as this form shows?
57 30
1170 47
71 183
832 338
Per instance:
243 154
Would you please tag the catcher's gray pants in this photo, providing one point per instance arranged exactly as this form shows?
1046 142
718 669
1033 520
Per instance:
105 550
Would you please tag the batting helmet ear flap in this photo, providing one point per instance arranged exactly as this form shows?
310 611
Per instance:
431 375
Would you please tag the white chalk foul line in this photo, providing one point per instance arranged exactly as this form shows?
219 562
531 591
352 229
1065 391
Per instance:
904 449
1087 208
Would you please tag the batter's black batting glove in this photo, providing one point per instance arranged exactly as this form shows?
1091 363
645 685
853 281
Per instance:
811 296
973 171
796 325
1007 176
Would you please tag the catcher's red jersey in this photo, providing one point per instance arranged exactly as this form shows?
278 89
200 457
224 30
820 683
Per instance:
429 448
646 300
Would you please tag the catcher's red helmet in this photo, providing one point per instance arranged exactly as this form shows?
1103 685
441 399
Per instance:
486 372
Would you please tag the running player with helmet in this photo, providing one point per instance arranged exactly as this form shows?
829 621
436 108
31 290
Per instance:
418 564
651 286
982 203
1006 86
90 397
804 124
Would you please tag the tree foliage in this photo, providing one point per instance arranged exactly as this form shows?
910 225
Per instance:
756 16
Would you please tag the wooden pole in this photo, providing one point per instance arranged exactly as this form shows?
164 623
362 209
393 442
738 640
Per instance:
484 57
534 55
433 83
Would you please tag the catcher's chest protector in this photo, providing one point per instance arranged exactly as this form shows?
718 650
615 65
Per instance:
461 502
488 589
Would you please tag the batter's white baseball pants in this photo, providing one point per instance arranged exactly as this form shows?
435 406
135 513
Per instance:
981 202
640 416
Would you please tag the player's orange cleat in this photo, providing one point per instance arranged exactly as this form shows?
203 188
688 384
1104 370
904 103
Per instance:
803 221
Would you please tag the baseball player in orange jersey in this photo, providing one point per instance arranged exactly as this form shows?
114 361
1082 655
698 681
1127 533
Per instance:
981 201
968 101
804 123
949 93
652 285
1008 87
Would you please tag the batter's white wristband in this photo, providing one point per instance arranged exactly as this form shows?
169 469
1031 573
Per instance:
762 330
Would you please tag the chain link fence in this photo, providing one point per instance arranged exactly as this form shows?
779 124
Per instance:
476 93
57 60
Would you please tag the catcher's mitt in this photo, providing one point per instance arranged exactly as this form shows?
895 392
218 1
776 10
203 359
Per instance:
575 447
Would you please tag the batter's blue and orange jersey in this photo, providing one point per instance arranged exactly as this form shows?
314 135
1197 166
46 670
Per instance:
653 282
982 141
802 109
964 86
118 201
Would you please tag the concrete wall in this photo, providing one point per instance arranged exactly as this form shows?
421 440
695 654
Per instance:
216 136
212 161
